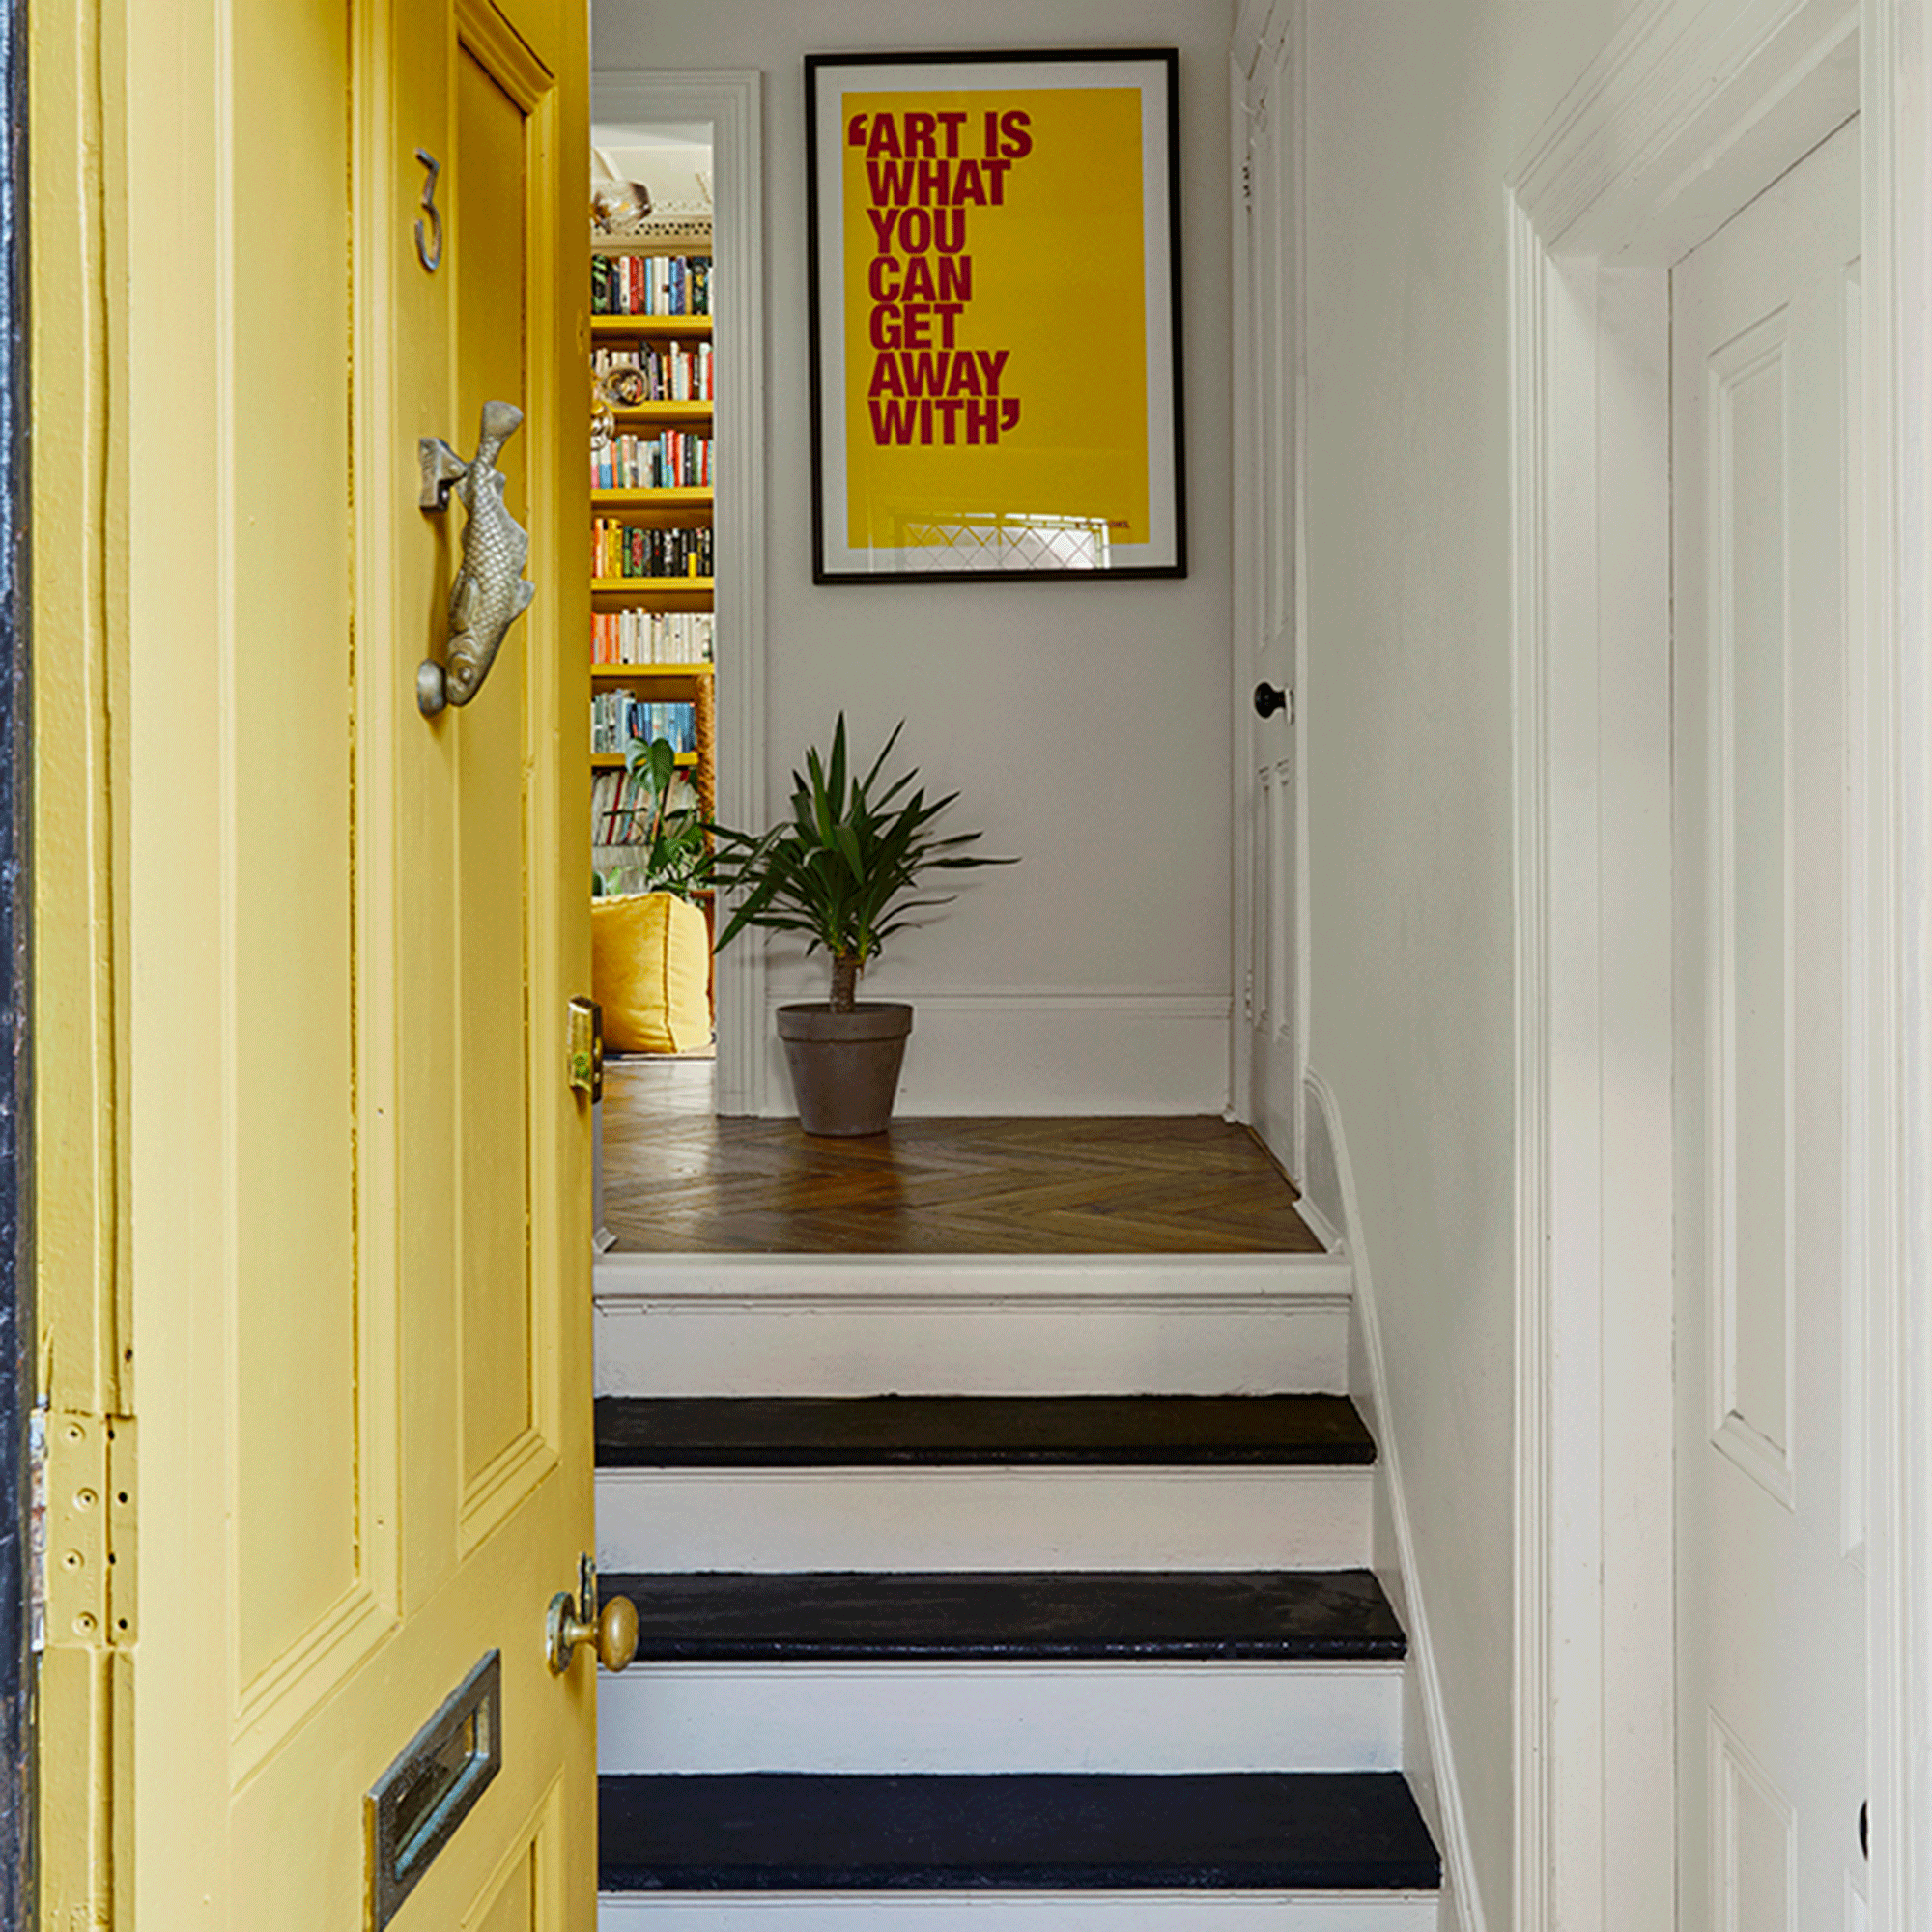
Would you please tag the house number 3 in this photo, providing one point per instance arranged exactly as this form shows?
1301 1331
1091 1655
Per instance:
429 239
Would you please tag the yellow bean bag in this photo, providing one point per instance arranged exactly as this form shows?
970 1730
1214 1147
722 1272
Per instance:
650 970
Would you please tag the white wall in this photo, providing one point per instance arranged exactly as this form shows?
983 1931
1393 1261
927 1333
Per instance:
1415 116
1085 725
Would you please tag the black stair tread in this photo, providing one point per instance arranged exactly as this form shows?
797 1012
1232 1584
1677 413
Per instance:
738 1432
1094 1613
786 1831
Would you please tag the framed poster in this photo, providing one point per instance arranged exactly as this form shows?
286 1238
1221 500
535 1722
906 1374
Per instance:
995 282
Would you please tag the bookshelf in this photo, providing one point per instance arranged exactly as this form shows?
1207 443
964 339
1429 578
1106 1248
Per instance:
652 592
663 328
613 761
658 593
670 508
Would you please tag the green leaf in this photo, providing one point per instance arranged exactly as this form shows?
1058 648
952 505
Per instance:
843 867
835 781
879 763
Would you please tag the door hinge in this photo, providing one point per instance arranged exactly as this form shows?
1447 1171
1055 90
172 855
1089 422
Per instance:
82 1469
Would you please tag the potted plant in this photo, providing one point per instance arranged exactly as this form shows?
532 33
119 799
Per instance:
650 962
663 832
841 870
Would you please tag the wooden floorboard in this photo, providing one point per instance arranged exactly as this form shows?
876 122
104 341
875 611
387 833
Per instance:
689 1182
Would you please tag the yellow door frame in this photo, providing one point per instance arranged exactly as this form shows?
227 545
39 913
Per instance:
17 1373
76 242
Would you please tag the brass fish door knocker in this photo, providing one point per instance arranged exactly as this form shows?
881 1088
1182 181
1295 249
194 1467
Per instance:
488 592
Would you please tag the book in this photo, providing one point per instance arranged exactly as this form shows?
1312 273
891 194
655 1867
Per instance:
616 718
673 459
651 285
618 549
652 636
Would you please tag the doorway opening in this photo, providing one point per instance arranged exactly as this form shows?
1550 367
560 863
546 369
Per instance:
677 582
1600 222
1126 1050
653 571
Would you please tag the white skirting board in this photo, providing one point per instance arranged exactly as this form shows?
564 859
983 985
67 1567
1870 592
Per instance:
1320 1205
1018 1911
835 1325
989 1715
925 1518
1430 1762
1325 1231
1042 1053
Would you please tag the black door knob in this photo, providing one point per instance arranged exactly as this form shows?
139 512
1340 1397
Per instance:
1270 698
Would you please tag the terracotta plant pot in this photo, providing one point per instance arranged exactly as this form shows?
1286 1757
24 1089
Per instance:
845 1067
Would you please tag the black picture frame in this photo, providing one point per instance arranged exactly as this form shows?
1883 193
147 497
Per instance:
1024 540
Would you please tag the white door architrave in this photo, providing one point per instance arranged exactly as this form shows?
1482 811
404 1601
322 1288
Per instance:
731 104
1694 107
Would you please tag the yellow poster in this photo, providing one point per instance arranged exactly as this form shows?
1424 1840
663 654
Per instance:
995 266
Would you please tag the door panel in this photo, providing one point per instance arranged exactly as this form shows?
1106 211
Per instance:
514 1905
500 1324
1771 1603
1750 1283
358 1180
527 1894
288 1353
290 1092
1266 645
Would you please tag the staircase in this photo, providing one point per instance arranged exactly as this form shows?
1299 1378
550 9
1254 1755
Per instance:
1038 1655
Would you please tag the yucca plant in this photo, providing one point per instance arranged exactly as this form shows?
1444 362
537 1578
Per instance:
844 867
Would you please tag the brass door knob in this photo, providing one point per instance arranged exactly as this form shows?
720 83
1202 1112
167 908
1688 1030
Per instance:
613 1634
612 1630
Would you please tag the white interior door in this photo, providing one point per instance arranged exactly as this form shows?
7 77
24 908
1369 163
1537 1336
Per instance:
1770 1685
1265 655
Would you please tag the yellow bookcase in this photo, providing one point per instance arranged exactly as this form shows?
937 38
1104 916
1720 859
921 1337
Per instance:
682 509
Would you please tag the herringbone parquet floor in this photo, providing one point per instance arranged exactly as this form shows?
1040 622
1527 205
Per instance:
678 1180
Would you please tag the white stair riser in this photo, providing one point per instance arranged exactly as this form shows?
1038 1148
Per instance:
1143 1715
795 1351
1020 1912
1225 1517
830 1325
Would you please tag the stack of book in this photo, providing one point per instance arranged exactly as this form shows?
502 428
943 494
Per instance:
621 807
620 549
654 372
652 636
651 285
616 718
674 458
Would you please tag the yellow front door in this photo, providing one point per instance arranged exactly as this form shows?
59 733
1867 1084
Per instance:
308 955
